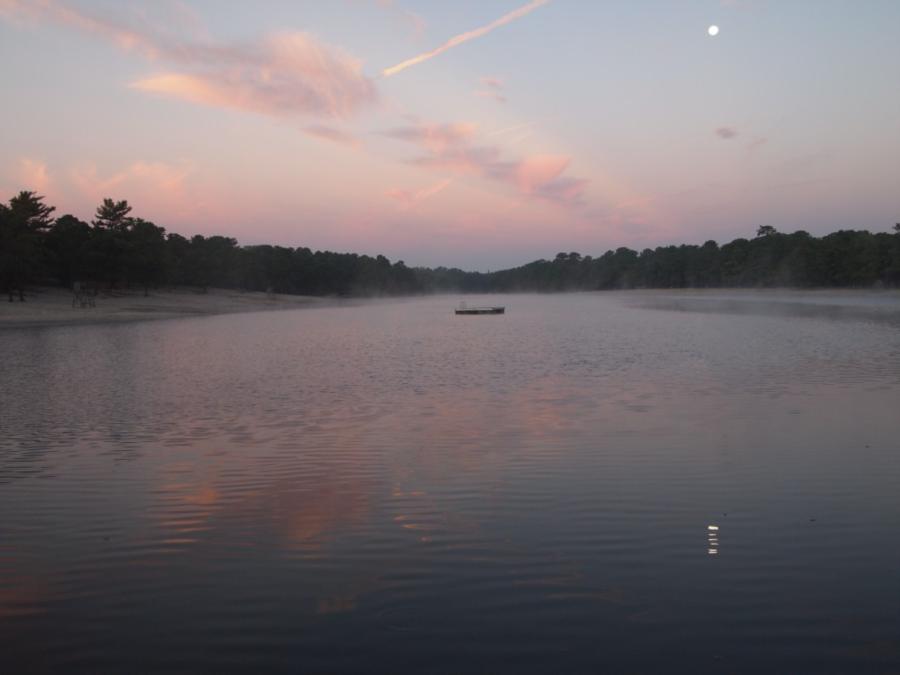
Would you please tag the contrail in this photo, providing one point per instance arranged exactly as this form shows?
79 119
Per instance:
465 37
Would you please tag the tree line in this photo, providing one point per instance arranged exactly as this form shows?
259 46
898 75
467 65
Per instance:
846 258
119 250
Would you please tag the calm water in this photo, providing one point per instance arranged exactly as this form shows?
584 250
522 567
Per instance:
390 488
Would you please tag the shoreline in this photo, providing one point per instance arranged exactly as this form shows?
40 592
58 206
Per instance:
46 307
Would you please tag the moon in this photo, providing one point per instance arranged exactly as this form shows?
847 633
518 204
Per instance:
713 30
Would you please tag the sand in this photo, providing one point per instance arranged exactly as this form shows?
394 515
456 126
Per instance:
53 306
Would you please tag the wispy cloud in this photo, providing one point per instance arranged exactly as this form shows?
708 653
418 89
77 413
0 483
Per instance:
409 198
52 10
288 73
508 130
415 21
333 135
462 38
436 138
540 176
285 74
726 133
492 87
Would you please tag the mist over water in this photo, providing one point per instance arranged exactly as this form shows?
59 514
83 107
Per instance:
387 487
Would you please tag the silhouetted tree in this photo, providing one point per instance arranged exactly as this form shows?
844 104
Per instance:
23 225
122 249
110 245
112 215
146 252
68 249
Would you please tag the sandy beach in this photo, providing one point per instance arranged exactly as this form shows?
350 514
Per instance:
53 306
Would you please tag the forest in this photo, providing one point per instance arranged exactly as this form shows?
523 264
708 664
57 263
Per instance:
117 250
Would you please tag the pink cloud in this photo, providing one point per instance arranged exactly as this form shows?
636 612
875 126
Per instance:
286 74
532 172
436 138
409 198
333 135
539 176
117 32
477 160
527 126
26 174
289 73
158 175
172 194
34 175
158 190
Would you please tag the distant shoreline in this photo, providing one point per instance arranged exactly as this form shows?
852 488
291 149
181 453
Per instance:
49 306
52 306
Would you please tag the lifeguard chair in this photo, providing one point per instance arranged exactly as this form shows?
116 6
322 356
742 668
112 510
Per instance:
83 295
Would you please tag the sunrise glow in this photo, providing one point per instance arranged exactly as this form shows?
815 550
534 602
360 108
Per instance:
487 136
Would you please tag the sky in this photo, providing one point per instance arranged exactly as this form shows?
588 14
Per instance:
479 134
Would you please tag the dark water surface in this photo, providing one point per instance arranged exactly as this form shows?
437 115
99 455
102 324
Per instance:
389 488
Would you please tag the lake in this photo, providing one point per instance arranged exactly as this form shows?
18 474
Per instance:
384 487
